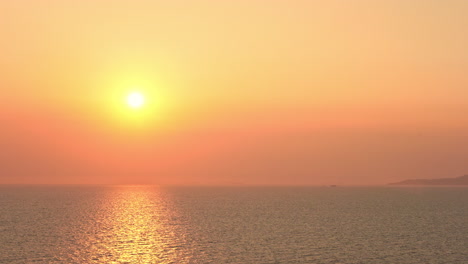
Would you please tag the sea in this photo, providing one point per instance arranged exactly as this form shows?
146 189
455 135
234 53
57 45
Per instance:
154 224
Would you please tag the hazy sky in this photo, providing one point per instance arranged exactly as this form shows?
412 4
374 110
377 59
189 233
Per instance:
237 92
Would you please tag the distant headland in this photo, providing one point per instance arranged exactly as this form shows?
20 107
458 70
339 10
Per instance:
462 180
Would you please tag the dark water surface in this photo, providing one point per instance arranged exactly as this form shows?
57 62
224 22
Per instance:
148 224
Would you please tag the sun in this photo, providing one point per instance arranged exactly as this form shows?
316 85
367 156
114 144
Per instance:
135 100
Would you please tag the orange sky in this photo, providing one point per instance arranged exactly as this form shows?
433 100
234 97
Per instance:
237 92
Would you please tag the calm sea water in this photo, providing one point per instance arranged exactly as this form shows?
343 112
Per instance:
146 224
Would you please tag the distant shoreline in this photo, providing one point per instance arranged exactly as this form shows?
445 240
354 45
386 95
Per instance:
459 181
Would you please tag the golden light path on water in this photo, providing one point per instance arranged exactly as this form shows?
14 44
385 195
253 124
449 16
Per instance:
134 226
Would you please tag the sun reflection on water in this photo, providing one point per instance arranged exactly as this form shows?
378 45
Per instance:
134 227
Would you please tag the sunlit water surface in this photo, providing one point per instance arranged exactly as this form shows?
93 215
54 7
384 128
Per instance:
149 224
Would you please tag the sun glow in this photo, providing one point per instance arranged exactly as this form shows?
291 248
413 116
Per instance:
135 100
136 104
